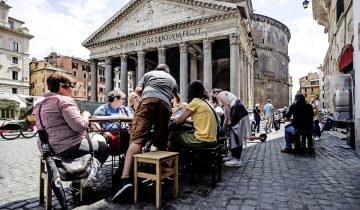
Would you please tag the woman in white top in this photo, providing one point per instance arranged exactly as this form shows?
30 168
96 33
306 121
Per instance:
237 120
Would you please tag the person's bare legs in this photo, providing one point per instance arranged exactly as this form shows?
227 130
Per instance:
132 150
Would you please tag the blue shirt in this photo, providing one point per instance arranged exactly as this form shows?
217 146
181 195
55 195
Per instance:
268 108
107 110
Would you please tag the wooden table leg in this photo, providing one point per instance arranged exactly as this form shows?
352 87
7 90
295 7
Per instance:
158 185
136 188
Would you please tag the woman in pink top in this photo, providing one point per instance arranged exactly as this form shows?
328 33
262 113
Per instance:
65 125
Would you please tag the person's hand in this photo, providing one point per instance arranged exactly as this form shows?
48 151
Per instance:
107 135
86 114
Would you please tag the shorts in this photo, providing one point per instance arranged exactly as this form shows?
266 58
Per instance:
151 112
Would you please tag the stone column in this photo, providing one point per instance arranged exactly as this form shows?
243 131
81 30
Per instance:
141 65
108 75
207 65
193 67
116 79
124 76
161 55
94 80
246 98
241 72
234 64
183 71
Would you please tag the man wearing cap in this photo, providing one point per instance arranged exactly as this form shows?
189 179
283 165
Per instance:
268 110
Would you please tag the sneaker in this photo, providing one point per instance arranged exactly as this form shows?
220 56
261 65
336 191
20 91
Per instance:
125 192
287 150
233 163
317 138
75 185
227 158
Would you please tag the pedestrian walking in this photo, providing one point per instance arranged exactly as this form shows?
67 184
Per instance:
268 110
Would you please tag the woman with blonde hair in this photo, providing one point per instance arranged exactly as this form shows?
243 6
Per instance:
133 102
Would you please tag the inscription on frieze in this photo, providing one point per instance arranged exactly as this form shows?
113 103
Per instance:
172 36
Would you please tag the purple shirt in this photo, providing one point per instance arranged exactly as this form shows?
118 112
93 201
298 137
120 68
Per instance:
62 120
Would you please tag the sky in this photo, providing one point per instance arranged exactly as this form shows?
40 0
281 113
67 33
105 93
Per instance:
62 25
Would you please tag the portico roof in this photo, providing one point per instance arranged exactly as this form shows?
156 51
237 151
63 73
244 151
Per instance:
134 19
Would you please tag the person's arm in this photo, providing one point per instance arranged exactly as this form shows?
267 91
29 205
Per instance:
227 108
138 91
72 116
182 118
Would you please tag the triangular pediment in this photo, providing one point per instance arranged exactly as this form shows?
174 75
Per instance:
144 15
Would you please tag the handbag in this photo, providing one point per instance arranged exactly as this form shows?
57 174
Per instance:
70 169
180 127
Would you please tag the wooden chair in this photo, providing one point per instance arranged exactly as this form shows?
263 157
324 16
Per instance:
43 179
309 136
158 158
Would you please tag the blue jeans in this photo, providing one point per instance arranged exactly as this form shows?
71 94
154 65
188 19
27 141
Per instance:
317 128
288 135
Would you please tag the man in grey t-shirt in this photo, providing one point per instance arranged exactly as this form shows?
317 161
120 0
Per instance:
156 89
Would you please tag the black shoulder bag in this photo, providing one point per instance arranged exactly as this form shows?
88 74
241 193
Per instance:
70 169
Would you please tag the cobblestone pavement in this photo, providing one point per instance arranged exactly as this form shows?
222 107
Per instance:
268 179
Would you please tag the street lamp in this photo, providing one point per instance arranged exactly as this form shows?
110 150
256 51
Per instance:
305 4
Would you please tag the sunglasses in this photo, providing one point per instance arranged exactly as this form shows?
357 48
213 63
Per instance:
67 85
119 97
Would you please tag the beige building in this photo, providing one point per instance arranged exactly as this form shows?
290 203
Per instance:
14 53
336 16
309 85
78 68
206 40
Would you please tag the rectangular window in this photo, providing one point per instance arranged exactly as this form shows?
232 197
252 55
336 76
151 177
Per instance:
14 90
312 89
15 46
14 60
11 23
15 75
84 75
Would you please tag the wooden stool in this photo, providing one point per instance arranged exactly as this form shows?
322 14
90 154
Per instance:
43 179
157 158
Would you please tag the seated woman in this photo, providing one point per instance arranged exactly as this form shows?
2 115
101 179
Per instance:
203 119
302 119
65 126
115 107
133 102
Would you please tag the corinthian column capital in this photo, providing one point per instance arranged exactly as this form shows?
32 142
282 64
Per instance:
108 61
183 47
123 57
162 51
234 38
207 44
141 55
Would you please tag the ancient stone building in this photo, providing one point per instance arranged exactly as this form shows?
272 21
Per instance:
271 72
199 39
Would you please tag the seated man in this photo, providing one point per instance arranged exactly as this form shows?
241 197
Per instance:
115 107
302 114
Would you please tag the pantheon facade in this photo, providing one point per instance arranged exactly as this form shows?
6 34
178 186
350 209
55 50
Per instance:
207 40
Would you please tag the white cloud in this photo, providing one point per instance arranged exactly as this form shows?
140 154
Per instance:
61 26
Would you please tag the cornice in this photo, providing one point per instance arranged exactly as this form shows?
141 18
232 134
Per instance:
273 22
16 32
199 21
265 47
131 6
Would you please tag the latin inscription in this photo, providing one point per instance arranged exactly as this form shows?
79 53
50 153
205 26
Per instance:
157 39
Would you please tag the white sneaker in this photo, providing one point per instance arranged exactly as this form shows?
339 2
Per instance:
233 163
317 138
227 158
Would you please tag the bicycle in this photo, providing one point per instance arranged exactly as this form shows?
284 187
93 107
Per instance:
14 129
10 130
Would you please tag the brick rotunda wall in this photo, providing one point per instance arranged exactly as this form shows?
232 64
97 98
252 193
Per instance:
271 73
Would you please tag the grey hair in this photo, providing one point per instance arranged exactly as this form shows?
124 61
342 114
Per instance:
163 67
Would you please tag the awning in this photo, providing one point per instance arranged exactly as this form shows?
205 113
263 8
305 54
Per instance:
346 58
